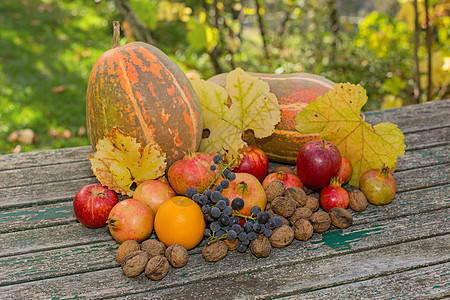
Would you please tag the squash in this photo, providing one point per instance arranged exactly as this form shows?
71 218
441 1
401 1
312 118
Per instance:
294 92
145 93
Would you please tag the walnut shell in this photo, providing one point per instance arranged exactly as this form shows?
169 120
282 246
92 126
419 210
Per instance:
260 247
274 189
232 244
357 200
281 236
312 203
134 263
284 169
303 230
153 247
283 206
157 267
341 218
126 248
177 255
300 213
215 251
320 221
297 194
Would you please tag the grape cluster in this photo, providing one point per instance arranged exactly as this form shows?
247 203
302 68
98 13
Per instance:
223 218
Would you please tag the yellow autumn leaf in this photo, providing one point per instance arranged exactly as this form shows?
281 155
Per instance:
336 117
120 162
245 103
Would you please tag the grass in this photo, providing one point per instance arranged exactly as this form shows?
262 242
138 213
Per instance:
47 44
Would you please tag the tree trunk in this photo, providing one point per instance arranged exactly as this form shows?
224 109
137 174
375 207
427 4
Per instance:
417 88
140 31
261 28
429 50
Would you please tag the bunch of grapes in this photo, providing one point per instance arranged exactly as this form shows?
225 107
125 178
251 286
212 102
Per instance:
223 219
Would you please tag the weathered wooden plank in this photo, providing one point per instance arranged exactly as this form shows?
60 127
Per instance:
432 156
419 178
261 279
43 158
46 264
426 139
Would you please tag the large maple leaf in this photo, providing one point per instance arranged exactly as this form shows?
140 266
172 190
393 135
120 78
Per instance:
245 103
336 116
120 162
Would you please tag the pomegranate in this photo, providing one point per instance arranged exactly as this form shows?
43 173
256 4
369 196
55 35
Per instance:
288 179
153 193
192 171
333 195
255 162
317 162
378 185
346 171
130 219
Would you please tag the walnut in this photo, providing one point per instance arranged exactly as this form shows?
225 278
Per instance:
231 244
274 189
284 169
300 213
281 236
341 218
126 248
312 203
303 229
215 251
260 247
134 263
358 201
153 247
177 255
283 206
297 194
320 221
157 267
307 190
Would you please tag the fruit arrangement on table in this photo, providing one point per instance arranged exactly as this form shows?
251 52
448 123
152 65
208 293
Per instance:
193 159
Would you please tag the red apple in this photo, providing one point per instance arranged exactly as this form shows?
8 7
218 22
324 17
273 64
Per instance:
317 162
92 205
247 187
288 179
130 219
345 172
255 162
153 193
333 195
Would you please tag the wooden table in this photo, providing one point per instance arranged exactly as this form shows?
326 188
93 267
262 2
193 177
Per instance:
399 250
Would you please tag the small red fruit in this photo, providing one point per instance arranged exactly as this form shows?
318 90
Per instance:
130 219
346 171
378 185
317 162
92 205
288 179
255 162
333 195
153 193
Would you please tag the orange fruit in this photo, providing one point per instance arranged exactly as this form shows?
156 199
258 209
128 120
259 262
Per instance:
179 220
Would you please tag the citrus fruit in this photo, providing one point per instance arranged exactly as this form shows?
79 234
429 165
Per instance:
179 220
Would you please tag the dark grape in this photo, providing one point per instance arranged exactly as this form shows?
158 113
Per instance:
251 235
215 196
258 227
237 203
278 221
251 222
226 227
241 248
204 199
196 197
271 224
220 233
225 183
207 232
237 228
255 210
228 211
221 204
231 176
208 218
213 167
248 227
207 193
190 192
242 236
267 232
214 226
227 201
218 188
218 159
224 220
206 208
234 220
231 234
245 242
226 172
263 217
215 212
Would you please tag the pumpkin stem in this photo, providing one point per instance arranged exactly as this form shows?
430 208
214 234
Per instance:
116 34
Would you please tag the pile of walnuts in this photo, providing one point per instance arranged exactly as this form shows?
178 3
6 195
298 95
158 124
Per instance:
151 257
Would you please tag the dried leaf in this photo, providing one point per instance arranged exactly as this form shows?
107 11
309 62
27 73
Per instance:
336 116
245 103
120 162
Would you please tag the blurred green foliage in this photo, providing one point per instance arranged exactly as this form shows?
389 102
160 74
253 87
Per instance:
47 48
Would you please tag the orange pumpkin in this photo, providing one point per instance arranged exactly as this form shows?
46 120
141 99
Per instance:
145 93
294 92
